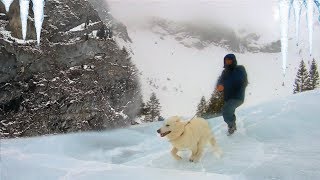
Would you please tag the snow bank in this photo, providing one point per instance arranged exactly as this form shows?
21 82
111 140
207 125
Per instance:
275 140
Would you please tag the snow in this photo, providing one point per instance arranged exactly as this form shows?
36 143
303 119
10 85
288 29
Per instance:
81 26
78 28
193 72
8 37
275 140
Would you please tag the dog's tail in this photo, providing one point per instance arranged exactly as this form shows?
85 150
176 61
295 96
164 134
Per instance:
216 149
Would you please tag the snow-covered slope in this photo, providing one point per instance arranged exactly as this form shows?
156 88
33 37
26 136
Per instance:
275 140
180 75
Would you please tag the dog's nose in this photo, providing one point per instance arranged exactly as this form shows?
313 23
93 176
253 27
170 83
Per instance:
158 131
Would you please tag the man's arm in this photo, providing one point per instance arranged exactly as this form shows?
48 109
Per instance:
220 83
221 78
242 80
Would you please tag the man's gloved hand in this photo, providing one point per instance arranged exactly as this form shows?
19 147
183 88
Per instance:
220 88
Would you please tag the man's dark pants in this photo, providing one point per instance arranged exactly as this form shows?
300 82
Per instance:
228 111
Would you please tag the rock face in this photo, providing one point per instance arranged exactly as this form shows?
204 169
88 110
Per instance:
73 82
102 8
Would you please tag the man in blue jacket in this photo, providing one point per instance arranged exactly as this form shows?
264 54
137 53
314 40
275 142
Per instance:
233 82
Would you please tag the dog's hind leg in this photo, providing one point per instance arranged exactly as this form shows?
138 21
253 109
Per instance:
174 153
216 149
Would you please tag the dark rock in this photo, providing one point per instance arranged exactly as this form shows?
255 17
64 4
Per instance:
68 83
101 6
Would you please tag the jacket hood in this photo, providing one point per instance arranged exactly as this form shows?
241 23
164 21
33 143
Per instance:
233 58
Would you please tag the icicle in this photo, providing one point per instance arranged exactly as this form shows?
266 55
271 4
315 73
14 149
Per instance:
7 4
284 6
317 2
38 10
24 12
297 5
310 23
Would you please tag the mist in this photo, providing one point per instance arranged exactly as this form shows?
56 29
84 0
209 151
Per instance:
260 17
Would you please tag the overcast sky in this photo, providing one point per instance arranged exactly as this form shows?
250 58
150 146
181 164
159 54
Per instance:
257 15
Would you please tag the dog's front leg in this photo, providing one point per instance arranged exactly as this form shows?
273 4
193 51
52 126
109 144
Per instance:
174 153
197 152
193 155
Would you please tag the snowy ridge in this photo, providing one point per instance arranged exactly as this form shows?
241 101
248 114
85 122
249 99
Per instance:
82 26
272 142
180 75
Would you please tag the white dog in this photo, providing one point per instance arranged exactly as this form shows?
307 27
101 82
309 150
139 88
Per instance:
192 135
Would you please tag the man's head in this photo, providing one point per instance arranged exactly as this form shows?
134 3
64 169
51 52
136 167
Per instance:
230 61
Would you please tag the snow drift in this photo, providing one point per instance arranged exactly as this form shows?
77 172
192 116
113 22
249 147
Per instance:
275 140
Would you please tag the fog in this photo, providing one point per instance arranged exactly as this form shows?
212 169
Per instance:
259 16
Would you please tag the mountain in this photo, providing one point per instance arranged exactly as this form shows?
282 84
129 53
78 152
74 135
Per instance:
181 75
203 34
272 142
74 81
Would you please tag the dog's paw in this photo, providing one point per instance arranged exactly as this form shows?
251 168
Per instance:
194 159
218 154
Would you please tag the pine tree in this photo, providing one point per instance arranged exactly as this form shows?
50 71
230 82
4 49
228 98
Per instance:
202 107
302 81
142 110
215 104
153 108
314 75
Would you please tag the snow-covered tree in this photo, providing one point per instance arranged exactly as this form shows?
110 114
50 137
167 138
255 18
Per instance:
202 106
314 75
153 108
215 104
302 81
143 110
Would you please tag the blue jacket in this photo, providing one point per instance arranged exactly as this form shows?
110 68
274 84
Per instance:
234 79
